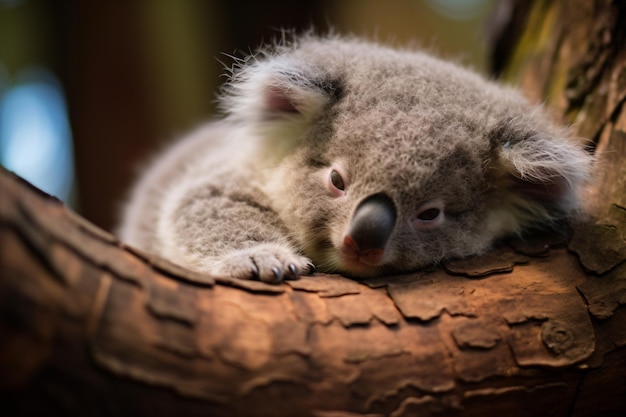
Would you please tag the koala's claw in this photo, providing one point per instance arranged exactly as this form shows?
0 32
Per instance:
293 272
254 270
270 263
278 274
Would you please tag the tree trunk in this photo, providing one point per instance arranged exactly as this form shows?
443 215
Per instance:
89 326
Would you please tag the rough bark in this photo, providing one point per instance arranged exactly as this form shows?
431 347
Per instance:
90 326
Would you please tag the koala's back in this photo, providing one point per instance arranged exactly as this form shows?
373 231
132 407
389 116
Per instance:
209 155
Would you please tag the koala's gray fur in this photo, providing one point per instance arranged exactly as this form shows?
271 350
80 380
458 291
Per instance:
259 193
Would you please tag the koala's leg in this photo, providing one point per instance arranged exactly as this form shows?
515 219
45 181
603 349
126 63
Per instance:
230 234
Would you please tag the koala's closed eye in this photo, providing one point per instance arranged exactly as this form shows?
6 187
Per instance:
336 180
429 215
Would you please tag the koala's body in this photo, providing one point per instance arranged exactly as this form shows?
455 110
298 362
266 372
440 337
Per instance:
358 159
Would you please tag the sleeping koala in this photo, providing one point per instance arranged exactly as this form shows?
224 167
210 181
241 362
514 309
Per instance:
355 158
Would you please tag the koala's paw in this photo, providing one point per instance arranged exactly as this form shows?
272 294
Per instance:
269 263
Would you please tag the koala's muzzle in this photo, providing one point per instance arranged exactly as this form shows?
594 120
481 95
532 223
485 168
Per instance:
372 225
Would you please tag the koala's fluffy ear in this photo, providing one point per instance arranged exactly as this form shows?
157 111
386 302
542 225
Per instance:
537 176
281 89
276 101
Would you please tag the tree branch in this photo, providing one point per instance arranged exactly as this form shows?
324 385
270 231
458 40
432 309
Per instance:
87 323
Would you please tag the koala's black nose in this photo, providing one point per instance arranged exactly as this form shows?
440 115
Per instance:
372 223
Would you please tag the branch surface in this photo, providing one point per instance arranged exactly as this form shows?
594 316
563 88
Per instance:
87 322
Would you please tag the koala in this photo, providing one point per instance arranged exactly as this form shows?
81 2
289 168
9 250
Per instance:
351 157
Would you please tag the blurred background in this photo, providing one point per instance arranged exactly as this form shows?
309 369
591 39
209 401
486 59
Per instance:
90 89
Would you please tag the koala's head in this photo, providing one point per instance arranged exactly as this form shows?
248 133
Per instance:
385 161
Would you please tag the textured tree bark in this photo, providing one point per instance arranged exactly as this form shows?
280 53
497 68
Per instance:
89 326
